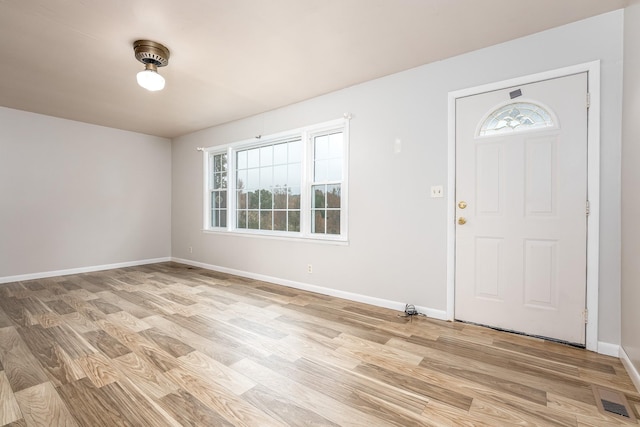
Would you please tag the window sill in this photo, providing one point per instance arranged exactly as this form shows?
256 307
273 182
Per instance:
337 241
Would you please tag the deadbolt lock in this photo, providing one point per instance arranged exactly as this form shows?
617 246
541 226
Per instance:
462 204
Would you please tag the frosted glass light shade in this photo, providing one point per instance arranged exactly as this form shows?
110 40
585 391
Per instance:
150 80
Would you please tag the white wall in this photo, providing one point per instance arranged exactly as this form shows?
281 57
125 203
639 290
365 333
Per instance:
630 193
75 195
397 241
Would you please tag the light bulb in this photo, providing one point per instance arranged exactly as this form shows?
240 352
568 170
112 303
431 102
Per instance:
150 80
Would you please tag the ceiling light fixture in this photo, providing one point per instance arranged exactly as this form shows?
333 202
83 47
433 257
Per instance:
152 55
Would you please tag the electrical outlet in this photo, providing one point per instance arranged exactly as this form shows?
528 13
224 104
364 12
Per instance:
437 191
190 249
309 268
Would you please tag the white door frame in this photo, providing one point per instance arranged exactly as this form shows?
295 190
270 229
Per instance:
593 185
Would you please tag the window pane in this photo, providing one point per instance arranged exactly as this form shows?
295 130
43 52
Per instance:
266 177
241 200
266 156
294 198
266 218
318 198
254 199
333 222
320 170
241 179
280 220
218 218
218 194
280 154
242 219
293 178
218 174
253 220
266 199
326 198
280 198
335 170
295 151
294 221
333 196
219 200
335 145
241 160
317 220
253 160
321 147
253 179
280 175
517 116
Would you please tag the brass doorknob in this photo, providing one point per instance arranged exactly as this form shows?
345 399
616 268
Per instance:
462 204
462 221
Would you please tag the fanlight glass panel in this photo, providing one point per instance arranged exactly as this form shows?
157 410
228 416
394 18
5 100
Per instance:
516 117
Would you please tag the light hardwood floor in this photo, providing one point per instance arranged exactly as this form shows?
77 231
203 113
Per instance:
170 345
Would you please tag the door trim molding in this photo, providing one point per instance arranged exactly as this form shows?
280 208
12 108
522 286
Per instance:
593 183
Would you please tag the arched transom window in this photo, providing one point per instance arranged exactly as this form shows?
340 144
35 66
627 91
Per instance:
516 117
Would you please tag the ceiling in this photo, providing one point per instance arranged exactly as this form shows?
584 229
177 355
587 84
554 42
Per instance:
235 58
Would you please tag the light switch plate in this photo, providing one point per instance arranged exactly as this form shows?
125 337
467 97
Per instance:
437 191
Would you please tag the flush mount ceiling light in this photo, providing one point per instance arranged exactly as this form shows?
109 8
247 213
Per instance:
152 55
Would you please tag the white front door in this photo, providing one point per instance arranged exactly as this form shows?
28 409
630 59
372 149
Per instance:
521 208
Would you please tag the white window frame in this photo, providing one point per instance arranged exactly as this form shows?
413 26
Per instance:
306 135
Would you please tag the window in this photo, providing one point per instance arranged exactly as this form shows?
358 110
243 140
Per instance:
291 184
218 190
514 117
326 185
268 187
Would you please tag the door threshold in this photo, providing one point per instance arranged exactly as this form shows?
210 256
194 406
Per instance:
555 340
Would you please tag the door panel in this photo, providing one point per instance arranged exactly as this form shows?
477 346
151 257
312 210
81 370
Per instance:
540 187
488 268
489 179
521 254
541 274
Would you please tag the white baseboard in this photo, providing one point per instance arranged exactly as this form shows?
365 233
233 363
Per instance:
379 302
42 275
631 370
608 349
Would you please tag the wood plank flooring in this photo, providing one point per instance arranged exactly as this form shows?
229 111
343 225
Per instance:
172 345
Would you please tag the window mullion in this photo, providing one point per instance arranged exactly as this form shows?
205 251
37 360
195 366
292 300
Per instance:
231 189
307 181
344 185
